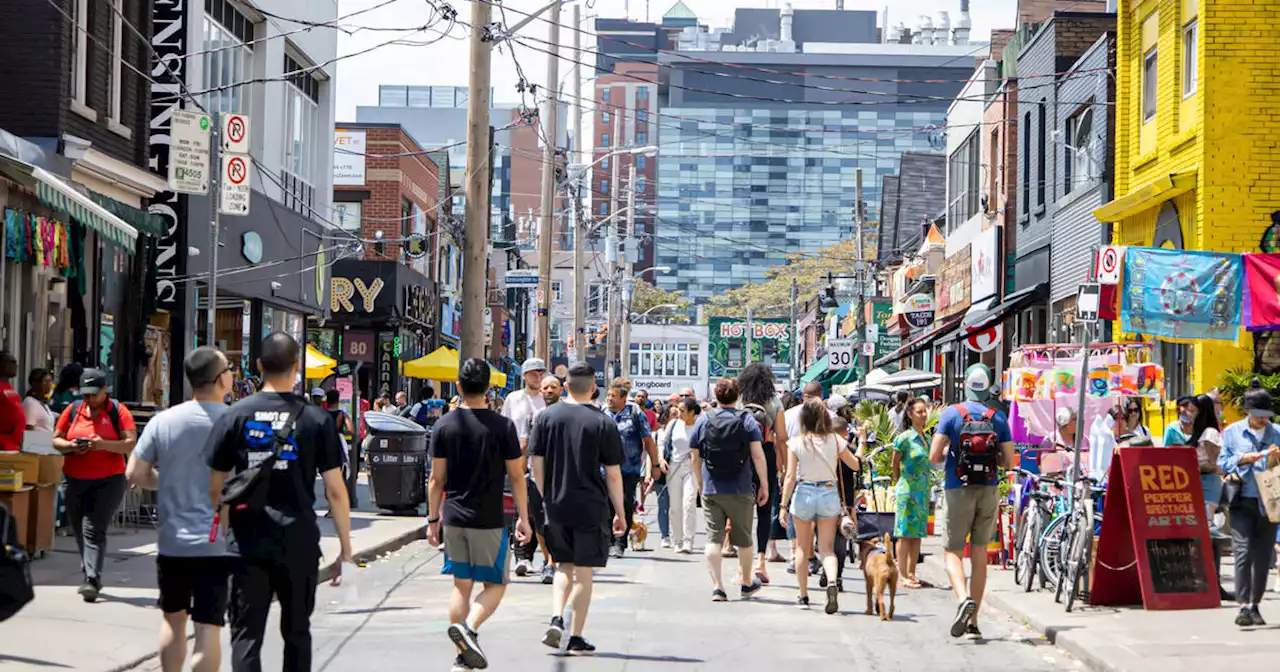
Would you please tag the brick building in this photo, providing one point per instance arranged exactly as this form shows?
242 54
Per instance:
623 102
387 193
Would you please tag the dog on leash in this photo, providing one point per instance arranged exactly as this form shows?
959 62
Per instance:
881 571
639 535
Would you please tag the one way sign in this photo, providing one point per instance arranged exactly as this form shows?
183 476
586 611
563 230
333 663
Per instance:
235 193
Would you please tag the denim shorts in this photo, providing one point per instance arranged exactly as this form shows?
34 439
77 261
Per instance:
812 501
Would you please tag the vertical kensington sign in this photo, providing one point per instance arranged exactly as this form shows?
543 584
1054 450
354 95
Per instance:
169 43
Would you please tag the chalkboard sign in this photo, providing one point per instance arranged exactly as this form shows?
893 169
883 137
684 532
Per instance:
1176 566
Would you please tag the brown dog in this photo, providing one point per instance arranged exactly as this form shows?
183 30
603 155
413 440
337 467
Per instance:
639 535
881 571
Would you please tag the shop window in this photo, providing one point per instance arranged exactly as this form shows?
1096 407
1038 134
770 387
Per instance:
634 365
735 355
1176 360
228 57
302 96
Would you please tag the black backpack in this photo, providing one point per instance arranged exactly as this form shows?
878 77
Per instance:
113 413
725 447
16 587
761 417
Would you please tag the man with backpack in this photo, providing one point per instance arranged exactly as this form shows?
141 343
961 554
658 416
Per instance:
427 411
637 440
974 442
727 448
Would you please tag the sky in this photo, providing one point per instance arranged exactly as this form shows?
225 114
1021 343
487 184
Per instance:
445 60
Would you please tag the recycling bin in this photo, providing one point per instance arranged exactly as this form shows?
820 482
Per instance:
398 462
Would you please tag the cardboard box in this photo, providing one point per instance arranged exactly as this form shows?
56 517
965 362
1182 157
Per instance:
50 469
28 464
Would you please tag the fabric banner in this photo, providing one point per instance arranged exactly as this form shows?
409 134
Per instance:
1182 295
1262 296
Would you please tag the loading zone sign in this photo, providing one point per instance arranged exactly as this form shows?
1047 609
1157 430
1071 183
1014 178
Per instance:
235 192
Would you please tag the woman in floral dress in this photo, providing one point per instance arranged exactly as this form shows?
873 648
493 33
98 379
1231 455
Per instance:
911 473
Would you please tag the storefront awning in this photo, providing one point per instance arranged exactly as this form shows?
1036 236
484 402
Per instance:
816 369
58 194
1147 196
146 222
921 342
982 317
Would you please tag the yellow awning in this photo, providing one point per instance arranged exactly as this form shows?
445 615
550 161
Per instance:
319 365
1147 196
443 365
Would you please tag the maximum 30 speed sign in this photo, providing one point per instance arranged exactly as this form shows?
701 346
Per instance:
840 354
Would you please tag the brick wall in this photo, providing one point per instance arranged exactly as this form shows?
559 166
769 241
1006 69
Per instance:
35 66
1035 11
389 180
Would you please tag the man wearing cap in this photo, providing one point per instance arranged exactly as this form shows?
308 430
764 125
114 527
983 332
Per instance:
521 407
972 503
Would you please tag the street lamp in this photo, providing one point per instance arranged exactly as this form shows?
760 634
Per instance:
645 315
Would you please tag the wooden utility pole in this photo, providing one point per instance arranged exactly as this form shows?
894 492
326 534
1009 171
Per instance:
476 239
551 126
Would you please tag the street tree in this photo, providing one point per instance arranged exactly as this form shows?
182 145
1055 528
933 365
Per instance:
645 296
772 296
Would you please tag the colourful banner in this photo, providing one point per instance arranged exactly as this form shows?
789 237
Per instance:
1262 296
1182 295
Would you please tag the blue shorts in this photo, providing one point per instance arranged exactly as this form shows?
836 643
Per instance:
477 554
812 501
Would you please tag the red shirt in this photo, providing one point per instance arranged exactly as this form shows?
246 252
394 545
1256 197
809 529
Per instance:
95 463
13 420
652 417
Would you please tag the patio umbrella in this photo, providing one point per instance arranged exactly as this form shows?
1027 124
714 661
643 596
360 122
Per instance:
443 365
911 379
319 365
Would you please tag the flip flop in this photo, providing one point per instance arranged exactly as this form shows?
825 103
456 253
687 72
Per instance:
763 577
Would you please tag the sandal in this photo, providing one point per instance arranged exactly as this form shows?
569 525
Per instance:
776 557
762 576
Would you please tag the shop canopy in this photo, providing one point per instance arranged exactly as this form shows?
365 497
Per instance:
319 365
443 365
54 192
911 379
814 371
920 342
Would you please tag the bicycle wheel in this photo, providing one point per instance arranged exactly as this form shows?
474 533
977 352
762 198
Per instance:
1019 546
1029 557
1079 568
1050 551
1067 545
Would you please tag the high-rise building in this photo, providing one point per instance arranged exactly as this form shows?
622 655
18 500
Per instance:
757 165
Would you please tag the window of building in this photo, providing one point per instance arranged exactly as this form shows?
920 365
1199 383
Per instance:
634 365
604 117
642 138
1176 360
642 93
641 161
301 139
1190 57
1025 160
997 172
604 140
642 115
555 291
115 82
604 163
1150 70
1041 154
604 186
641 184
604 95
597 298
228 57
79 11
604 209
393 96
964 175
1079 163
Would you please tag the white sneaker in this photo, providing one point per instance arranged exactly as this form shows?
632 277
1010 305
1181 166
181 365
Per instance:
523 567
686 549
666 542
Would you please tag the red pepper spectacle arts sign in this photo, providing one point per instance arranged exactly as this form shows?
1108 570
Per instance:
1155 546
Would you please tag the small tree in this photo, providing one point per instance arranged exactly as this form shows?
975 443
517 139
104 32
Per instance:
808 269
645 296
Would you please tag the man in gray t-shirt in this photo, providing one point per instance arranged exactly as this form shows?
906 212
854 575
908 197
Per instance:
191 567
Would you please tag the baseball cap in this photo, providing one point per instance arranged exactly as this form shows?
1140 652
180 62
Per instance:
532 364
1257 402
93 381
317 392
977 382
1064 416
836 402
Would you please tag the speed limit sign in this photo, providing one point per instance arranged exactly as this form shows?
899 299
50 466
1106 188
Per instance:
840 354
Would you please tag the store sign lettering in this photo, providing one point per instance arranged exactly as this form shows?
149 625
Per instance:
415 303
777 331
169 45
386 364
342 291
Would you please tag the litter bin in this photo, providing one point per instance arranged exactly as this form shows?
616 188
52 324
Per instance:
397 455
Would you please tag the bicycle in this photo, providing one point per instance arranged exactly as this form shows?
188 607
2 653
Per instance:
1037 512
1051 544
1079 536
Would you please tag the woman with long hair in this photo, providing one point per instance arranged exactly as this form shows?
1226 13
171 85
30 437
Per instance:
759 391
662 483
811 495
911 473
1206 438
682 491
36 404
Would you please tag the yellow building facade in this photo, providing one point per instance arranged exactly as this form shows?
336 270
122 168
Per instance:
1197 142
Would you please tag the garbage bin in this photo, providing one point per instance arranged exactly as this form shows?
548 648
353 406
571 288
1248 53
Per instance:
397 455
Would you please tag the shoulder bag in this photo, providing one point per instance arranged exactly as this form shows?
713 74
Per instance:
247 489
848 518
16 587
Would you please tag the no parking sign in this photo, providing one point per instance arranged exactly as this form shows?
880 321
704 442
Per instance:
1109 264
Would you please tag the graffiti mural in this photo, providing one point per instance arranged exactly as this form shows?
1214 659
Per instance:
727 338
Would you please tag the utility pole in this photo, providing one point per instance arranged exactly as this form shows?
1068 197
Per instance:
862 273
611 256
551 124
751 333
795 336
628 283
215 220
579 230
476 239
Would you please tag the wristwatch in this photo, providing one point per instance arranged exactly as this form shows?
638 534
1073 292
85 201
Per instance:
432 521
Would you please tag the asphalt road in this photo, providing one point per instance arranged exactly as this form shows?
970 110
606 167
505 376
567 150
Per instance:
652 611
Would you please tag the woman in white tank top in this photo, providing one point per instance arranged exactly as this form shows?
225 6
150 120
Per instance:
811 475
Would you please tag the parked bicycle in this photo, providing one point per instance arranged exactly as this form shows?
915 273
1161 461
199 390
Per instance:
1037 511
1080 527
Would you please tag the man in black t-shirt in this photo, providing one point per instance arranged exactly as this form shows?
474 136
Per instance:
277 546
577 457
472 449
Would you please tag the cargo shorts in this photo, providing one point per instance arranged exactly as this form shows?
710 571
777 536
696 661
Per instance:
970 516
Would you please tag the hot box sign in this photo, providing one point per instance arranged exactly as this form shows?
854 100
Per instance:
727 344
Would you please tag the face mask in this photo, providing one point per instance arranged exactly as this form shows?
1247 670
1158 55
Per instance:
1185 419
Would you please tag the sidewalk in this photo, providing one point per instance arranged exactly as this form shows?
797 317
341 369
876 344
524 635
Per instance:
59 630
1129 639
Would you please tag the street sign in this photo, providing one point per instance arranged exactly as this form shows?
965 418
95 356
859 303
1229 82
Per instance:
189 152
1088 301
1109 263
869 348
235 133
840 354
521 277
235 192
873 332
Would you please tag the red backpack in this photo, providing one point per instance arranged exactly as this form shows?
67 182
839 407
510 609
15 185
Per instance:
977 454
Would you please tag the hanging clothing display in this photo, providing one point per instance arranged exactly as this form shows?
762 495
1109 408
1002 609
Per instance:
36 240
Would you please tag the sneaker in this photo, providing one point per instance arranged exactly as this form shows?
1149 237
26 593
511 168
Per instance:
581 646
833 599
666 542
1244 618
615 551
523 567
718 595
686 549
554 633
973 631
802 602
548 575
89 591
1256 616
964 613
747 590
459 665
791 567
468 646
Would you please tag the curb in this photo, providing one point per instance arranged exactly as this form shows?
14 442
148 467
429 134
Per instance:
1059 637
326 573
